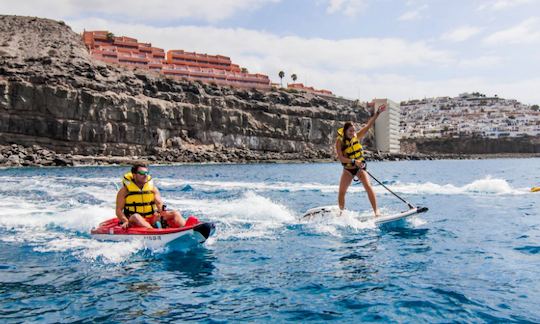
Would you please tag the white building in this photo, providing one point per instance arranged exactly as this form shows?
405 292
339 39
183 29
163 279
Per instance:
387 126
469 114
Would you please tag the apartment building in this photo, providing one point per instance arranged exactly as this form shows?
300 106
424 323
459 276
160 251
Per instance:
387 133
127 51
302 87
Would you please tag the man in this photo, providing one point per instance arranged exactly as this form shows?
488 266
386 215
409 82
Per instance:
139 203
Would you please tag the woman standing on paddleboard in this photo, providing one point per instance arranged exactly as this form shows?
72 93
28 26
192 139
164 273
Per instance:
351 155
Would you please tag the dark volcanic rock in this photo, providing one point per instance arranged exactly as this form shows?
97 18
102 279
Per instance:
53 94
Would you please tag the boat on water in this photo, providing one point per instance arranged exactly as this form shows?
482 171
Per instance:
193 233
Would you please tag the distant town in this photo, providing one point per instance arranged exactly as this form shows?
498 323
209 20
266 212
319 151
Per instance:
469 114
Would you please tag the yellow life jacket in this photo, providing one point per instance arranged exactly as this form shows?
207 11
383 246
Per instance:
350 148
140 201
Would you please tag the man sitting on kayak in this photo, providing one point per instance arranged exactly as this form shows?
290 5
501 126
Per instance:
139 203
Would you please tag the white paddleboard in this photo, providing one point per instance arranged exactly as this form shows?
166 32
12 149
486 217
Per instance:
335 211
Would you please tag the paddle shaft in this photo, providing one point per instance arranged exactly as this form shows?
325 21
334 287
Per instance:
393 193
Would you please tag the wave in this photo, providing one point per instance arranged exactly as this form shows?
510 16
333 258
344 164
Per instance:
54 214
249 216
485 186
53 228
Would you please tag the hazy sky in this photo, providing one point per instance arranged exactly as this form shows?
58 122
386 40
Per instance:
356 48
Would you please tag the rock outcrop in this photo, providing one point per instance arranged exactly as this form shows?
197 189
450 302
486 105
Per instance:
52 94
472 145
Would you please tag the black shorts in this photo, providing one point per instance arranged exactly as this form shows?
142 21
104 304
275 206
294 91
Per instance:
354 171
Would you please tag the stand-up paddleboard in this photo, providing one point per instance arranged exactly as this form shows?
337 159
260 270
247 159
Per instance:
335 211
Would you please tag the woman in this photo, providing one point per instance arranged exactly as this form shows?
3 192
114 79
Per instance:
350 153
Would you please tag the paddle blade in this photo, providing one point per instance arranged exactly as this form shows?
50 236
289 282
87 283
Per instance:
422 210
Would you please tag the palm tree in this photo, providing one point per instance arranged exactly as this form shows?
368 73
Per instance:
281 75
294 77
110 36
244 70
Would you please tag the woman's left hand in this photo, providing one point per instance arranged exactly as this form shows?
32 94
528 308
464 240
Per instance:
381 109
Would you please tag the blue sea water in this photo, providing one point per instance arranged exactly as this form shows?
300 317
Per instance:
474 257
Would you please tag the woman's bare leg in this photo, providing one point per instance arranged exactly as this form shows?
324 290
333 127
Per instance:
344 183
362 175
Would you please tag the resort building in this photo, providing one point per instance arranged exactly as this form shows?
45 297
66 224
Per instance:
301 87
127 51
387 126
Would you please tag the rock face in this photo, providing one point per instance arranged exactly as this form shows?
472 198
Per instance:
472 145
54 95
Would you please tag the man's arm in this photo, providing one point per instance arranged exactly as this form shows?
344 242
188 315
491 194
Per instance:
158 199
370 122
120 204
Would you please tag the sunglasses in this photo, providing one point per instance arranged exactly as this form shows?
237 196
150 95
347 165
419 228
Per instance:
143 172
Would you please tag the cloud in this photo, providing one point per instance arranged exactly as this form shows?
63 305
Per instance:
414 14
266 51
503 4
486 61
347 7
350 67
461 34
134 10
399 87
525 32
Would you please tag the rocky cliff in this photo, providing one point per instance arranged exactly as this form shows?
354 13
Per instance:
54 95
472 145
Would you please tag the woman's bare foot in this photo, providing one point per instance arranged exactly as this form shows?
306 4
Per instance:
377 213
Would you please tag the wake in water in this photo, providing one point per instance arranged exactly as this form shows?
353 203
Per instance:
250 216
485 186
57 227
55 214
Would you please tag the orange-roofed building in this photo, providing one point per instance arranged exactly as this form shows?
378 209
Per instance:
127 51
302 87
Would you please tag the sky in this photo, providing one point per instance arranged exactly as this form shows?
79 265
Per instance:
359 49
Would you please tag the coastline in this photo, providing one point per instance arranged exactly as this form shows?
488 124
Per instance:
36 156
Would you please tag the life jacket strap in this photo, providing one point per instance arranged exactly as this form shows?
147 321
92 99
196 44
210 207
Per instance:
131 212
132 193
135 204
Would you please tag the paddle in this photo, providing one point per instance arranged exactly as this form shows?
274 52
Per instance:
411 206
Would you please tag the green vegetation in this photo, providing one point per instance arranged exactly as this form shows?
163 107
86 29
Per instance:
281 76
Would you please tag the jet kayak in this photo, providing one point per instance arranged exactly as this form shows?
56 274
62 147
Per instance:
535 189
194 232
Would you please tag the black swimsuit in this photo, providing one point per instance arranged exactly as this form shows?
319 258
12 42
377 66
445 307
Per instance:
354 171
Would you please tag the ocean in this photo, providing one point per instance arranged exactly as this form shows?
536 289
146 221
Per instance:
474 257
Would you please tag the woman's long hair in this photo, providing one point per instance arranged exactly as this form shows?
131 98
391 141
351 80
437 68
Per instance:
346 126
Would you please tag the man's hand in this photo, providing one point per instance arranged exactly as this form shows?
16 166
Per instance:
125 225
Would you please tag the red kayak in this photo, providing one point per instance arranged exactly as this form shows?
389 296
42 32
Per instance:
193 232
